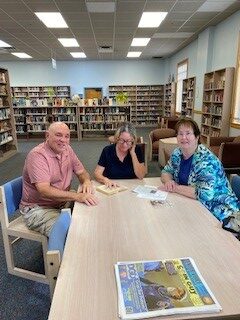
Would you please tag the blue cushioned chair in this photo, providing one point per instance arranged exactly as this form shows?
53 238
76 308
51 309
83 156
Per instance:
14 227
235 182
56 242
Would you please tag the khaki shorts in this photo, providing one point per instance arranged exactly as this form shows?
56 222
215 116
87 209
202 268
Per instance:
40 219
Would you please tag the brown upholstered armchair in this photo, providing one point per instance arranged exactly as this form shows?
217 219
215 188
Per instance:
227 149
168 122
154 137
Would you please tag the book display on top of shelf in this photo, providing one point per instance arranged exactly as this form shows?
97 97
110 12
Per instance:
8 140
216 109
146 102
188 96
169 99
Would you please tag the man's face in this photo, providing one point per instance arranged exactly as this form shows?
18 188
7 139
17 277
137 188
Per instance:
58 138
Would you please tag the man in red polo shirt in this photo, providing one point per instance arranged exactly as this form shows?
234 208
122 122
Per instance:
47 176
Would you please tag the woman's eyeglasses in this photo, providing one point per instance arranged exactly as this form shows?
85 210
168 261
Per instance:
128 142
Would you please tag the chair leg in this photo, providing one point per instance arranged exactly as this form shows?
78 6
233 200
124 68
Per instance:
53 265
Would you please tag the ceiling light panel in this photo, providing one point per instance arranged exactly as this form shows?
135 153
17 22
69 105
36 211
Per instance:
101 7
68 42
52 19
4 44
140 42
21 55
78 54
134 54
151 19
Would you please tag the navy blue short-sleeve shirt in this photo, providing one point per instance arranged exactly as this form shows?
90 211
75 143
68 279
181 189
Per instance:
116 169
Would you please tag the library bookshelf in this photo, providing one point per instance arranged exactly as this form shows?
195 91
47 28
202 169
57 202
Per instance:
217 95
169 99
146 102
8 139
36 107
188 97
102 120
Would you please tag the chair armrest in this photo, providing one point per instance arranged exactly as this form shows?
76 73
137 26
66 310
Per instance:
216 141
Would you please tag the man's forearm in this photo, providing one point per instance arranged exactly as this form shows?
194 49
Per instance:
84 176
56 194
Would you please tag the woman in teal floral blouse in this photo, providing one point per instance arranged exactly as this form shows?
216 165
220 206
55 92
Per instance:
194 171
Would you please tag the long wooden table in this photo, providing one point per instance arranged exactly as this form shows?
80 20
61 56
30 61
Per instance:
125 228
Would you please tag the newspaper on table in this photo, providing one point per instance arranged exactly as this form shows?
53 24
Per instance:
150 192
163 287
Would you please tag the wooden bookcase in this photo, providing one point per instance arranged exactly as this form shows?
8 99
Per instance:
36 107
217 95
146 102
102 119
169 99
8 139
188 97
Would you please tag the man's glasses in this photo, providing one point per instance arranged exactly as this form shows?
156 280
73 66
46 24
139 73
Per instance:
128 142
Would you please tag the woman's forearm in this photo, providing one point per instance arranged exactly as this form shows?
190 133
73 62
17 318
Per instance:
139 168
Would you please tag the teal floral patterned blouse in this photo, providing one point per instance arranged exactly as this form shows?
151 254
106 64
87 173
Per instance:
207 175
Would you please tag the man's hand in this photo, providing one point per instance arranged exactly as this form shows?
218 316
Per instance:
88 198
87 187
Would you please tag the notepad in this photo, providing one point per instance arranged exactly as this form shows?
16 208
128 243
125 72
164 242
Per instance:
109 191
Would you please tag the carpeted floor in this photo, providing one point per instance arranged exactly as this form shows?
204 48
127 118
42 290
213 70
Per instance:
24 299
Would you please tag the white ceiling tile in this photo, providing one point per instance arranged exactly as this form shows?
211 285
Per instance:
22 29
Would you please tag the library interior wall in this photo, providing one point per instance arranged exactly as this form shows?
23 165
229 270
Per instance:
86 73
215 48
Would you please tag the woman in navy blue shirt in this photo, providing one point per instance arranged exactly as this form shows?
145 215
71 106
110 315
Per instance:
121 160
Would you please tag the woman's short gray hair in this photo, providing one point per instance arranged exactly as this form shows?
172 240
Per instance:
126 127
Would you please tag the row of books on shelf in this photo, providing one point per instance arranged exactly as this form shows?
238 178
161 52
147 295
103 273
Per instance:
23 102
3 90
210 132
5 113
220 84
99 126
5 125
5 137
3 102
217 97
100 110
2 77
216 109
